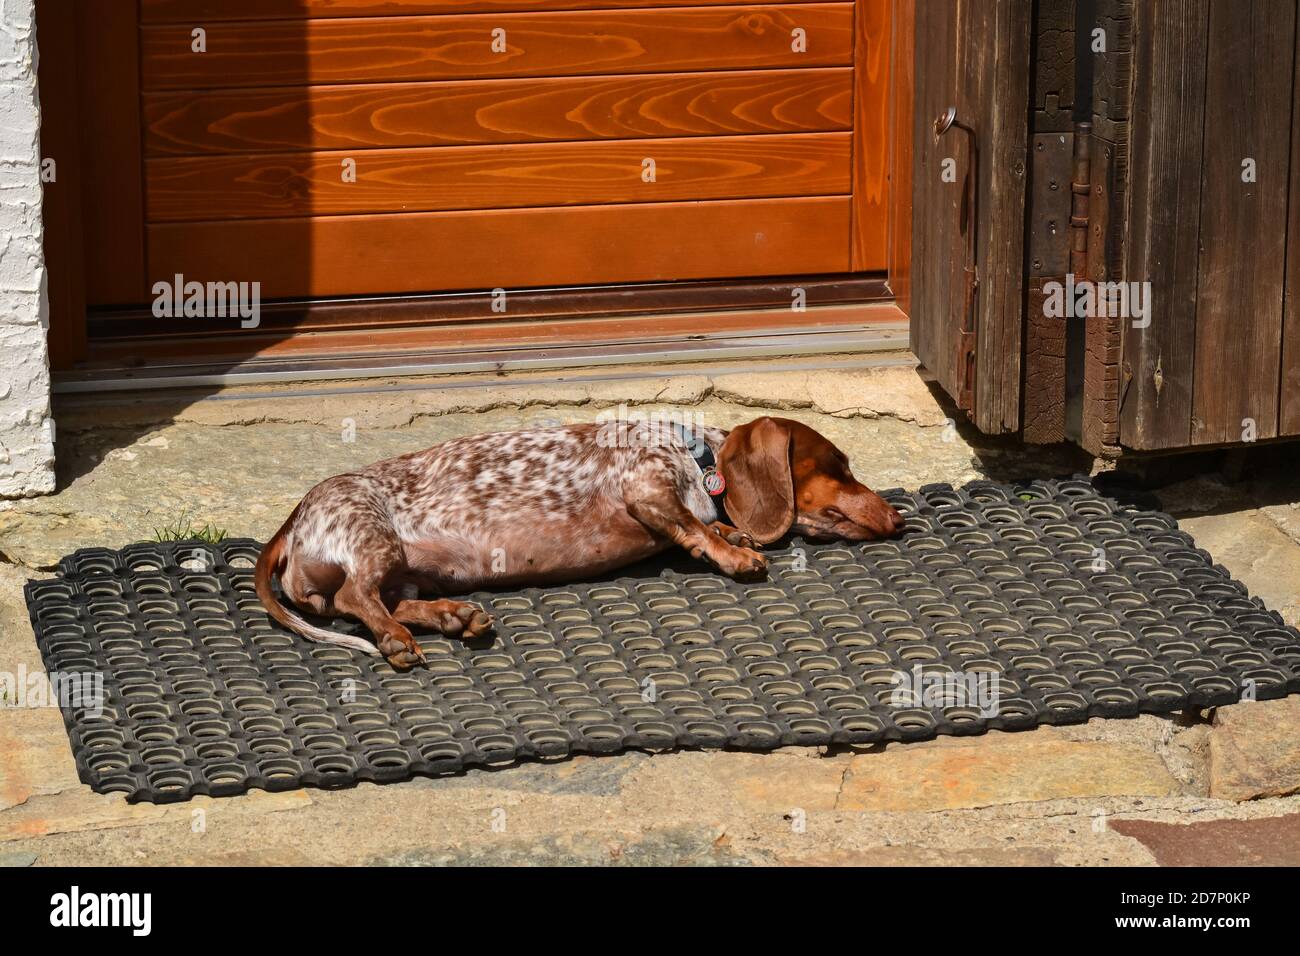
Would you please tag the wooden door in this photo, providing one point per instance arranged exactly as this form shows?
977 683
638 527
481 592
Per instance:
341 150
974 56
1213 225
329 148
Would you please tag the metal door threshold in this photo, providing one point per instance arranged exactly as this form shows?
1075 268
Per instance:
886 337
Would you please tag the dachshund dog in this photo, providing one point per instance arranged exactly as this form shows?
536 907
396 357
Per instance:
548 505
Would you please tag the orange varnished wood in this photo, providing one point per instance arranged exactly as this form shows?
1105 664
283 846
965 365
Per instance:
498 177
61 200
583 42
901 80
207 11
870 134
375 254
108 114
471 112
521 169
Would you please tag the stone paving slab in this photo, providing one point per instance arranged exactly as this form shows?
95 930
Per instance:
991 770
685 846
80 809
927 856
1255 750
35 757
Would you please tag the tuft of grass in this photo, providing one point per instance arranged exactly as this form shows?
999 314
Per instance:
184 529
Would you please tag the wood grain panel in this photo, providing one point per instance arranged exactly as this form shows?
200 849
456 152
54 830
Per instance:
1045 347
1164 216
872 30
1243 236
285 52
1111 110
974 57
61 196
209 11
465 113
996 55
1099 413
359 255
902 82
497 177
109 117
938 252
1289 398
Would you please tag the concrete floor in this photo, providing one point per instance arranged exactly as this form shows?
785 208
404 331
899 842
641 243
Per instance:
1109 792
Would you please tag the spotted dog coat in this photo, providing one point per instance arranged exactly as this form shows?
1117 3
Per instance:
541 506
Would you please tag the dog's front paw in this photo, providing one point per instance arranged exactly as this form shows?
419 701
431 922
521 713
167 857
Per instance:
743 564
734 536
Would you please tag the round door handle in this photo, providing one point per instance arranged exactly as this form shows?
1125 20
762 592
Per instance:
944 121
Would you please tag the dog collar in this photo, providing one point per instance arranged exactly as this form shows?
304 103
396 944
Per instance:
710 476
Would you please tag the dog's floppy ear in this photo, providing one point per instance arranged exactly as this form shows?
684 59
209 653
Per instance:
755 462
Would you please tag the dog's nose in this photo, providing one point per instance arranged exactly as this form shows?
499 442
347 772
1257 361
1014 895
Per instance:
896 520
885 517
888 524
875 516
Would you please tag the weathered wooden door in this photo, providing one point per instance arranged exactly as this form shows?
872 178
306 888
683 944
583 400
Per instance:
1213 225
972 57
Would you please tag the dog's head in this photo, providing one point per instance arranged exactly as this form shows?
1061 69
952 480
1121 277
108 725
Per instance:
782 475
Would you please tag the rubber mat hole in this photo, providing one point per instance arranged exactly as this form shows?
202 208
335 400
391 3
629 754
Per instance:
914 720
707 730
171 780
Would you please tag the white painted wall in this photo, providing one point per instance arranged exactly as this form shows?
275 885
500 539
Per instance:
26 428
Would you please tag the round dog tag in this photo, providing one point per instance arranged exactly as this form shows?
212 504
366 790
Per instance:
714 483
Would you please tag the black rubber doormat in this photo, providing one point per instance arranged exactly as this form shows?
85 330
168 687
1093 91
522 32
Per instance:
1002 607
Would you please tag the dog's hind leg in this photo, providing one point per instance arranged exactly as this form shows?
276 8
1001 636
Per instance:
379 561
450 618
359 598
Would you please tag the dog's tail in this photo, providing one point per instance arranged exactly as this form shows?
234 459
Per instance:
271 562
